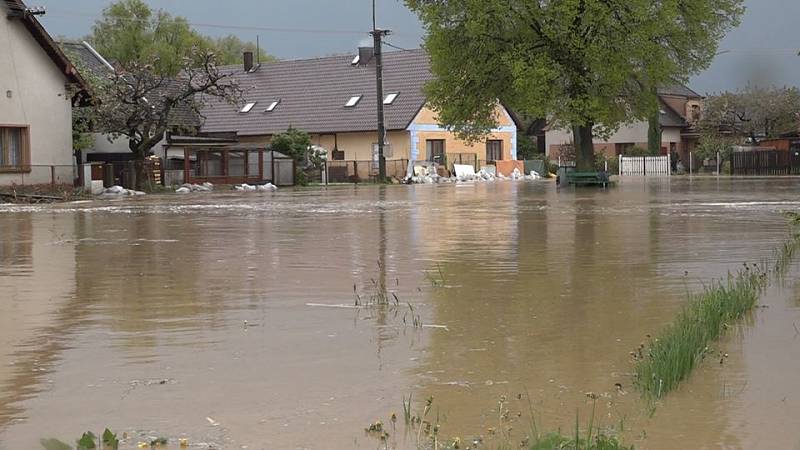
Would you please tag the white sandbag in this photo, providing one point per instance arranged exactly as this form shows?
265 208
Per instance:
182 190
464 170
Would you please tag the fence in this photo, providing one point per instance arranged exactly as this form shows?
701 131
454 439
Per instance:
359 171
766 162
644 166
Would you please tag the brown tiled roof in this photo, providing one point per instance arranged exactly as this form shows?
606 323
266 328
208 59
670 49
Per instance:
313 92
669 117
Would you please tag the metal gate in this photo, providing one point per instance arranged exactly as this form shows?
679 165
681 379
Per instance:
645 166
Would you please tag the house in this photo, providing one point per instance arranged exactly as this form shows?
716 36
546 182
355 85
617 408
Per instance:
680 109
115 150
334 99
38 87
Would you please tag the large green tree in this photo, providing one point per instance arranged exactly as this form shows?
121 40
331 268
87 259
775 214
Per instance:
590 65
130 32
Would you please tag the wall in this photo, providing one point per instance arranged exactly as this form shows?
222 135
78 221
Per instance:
356 146
426 126
635 133
38 99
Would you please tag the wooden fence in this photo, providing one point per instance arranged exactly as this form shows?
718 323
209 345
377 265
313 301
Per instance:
766 162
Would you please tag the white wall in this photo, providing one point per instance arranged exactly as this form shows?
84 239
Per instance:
635 133
38 99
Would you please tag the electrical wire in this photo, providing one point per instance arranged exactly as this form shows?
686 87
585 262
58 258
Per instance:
66 13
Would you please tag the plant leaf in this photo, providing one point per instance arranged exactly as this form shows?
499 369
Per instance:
54 444
110 440
86 442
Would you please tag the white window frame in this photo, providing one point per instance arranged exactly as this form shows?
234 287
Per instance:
353 102
273 105
247 108
390 98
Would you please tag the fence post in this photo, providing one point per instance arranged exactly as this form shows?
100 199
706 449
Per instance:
717 163
53 177
691 163
619 167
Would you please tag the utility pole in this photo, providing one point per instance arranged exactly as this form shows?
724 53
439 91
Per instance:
377 37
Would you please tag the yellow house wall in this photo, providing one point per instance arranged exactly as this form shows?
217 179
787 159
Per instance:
425 126
356 146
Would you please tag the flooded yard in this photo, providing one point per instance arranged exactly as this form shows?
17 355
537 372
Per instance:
229 319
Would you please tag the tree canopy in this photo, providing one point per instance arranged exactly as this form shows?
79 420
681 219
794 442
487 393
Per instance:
131 32
589 65
754 112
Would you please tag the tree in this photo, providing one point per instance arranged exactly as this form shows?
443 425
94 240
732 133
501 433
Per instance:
229 50
590 65
295 144
140 104
754 112
131 32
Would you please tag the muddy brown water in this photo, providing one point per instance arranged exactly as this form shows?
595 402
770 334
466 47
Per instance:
131 314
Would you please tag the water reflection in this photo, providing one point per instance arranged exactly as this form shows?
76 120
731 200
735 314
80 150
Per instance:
544 292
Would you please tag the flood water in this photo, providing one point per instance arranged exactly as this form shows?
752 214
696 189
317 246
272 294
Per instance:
215 317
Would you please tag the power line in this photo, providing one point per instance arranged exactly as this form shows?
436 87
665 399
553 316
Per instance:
65 13
396 47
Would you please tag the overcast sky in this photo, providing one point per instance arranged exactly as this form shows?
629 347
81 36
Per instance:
763 50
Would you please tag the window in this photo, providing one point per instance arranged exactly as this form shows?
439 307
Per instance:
246 108
272 106
435 149
390 98
353 101
356 60
14 150
494 150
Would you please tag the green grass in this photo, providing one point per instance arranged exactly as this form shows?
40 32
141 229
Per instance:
672 356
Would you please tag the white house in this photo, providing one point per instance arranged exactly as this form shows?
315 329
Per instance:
38 87
680 109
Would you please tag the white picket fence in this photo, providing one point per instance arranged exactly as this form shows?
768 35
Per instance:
640 166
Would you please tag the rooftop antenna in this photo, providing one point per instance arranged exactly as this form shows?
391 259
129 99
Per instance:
258 51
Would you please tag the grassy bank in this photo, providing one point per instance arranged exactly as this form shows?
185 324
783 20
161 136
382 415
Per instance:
684 343
679 348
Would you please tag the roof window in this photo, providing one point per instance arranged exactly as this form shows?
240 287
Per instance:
272 106
356 60
246 108
390 98
353 101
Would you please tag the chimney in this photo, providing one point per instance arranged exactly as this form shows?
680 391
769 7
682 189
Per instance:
248 61
365 55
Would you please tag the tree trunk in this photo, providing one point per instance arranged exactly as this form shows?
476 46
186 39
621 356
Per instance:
654 134
584 147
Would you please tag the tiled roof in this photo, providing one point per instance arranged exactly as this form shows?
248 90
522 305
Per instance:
678 90
669 117
313 93
84 58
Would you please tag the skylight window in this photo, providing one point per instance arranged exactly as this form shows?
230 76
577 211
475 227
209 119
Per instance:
272 106
356 60
246 108
390 98
353 101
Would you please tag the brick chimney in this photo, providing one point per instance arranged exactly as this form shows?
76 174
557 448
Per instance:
248 61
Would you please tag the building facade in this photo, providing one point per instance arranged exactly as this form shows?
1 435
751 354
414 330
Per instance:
38 86
680 109
334 100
